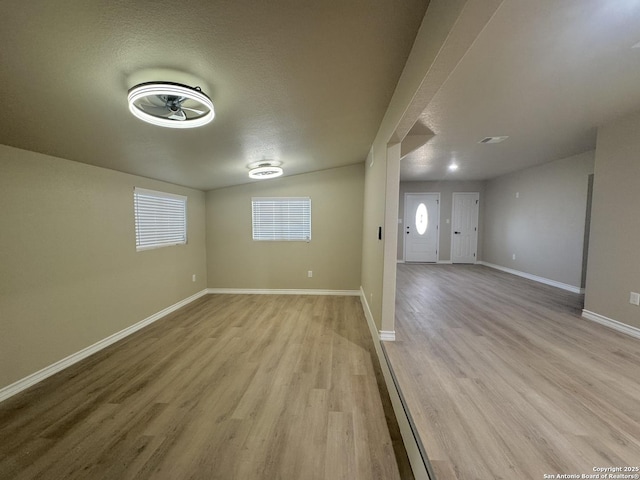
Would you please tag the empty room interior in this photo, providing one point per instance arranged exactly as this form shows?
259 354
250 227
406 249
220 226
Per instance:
300 240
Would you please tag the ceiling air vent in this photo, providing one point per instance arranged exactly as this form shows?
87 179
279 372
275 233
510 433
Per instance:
493 139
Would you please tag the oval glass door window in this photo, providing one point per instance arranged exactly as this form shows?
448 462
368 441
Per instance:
422 219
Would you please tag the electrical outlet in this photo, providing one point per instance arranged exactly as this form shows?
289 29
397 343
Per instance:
634 298
309 274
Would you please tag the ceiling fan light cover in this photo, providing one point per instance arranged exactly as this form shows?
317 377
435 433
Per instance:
168 98
266 171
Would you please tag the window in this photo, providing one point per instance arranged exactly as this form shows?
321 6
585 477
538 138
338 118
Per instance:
161 219
422 218
287 218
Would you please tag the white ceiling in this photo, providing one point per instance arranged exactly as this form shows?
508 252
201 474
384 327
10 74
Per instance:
299 81
307 83
546 73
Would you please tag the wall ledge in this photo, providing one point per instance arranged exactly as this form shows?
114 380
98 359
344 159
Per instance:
412 444
535 278
60 365
611 323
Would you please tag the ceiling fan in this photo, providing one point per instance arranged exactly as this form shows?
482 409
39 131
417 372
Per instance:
169 104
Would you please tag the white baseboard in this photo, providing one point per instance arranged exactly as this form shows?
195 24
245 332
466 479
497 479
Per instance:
400 261
387 335
611 323
260 291
418 465
444 262
60 365
535 278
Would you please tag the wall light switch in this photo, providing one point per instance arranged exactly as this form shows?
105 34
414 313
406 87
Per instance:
193 277
310 274
517 194
634 298
513 256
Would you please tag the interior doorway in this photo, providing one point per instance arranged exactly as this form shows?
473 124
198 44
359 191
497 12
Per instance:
464 227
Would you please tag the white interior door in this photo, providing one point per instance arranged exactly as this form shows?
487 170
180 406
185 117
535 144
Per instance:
464 227
421 225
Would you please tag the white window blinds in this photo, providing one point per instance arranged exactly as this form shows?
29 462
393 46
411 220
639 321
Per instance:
281 218
161 219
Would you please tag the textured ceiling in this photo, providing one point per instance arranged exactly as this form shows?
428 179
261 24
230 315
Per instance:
307 83
546 73
299 81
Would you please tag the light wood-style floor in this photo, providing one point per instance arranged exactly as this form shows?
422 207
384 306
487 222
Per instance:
229 387
505 380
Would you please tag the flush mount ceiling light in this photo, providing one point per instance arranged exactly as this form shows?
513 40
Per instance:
265 169
173 105
453 167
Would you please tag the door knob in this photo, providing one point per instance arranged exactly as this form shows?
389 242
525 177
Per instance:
457 233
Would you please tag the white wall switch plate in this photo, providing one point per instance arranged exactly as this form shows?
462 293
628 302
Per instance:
634 298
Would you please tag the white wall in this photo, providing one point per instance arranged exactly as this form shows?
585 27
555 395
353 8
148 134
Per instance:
613 269
538 215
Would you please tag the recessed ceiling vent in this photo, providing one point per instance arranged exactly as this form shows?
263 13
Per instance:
493 139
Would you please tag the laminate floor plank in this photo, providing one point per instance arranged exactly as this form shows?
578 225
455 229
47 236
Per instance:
228 387
504 379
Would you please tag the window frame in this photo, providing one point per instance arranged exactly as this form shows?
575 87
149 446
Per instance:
173 228
284 226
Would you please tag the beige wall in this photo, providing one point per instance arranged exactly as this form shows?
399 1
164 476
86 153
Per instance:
544 227
70 274
613 265
446 190
442 28
372 247
334 254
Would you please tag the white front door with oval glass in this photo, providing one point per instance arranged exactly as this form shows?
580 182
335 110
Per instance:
421 225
